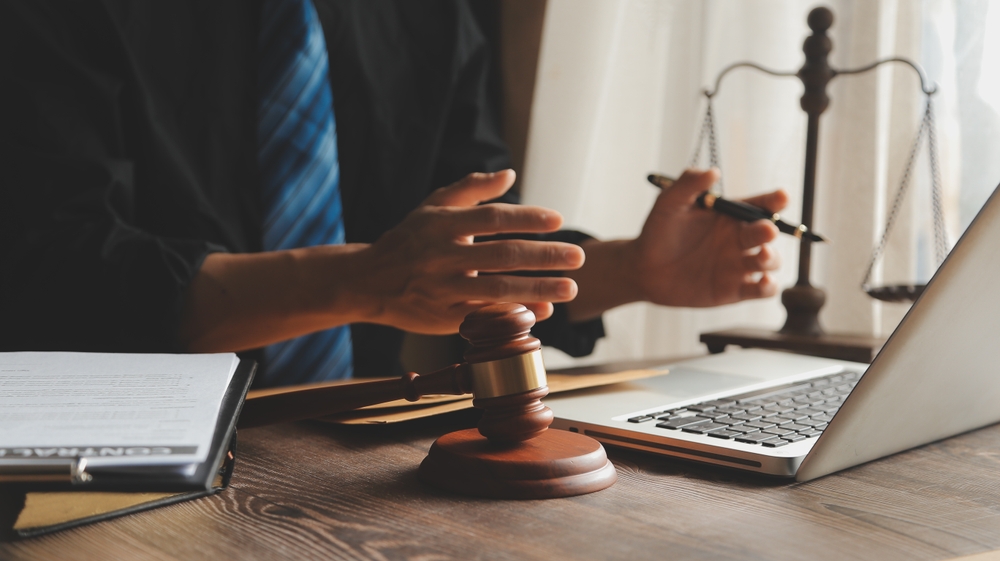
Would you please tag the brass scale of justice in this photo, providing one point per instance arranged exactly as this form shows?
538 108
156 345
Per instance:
802 331
512 455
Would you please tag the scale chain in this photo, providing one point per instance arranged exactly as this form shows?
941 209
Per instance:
708 129
940 236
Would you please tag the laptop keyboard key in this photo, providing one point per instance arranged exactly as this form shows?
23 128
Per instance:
702 428
681 422
793 437
726 434
775 442
677 415
778 409
730 409
755 437
714 414
760 425
746 416
700 407
641 419
779 431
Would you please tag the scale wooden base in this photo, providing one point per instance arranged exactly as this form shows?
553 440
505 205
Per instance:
857 348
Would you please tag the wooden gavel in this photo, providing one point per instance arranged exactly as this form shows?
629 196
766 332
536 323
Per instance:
511 455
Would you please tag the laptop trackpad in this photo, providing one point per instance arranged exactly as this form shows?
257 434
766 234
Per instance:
684 383
599 404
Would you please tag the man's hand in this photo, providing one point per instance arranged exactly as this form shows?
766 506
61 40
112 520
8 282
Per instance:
685 255
423 275
688 256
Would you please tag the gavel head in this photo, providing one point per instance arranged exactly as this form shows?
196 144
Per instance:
507 374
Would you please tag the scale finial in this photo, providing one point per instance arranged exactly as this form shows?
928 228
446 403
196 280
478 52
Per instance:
820 19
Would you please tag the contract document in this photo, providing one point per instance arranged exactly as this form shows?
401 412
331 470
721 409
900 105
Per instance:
111 409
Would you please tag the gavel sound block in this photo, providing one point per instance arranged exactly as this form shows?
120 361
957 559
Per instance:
511 455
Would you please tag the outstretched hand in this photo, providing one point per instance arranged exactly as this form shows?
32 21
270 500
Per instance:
422 276
425 272
688 256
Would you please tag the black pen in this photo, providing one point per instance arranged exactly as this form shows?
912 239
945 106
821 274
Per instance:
741 211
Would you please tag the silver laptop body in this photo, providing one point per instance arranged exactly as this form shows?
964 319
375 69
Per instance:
938 375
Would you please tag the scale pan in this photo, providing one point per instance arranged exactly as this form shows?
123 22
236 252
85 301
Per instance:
896 292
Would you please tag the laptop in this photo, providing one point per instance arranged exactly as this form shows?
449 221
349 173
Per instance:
803 417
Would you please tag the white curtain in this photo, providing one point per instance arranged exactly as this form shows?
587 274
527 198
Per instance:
617 96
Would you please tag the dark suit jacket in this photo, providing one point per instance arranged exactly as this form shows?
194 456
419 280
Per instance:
128 153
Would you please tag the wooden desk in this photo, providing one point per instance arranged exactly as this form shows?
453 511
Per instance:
310 491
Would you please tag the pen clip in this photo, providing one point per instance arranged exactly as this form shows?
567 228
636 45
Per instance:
707 200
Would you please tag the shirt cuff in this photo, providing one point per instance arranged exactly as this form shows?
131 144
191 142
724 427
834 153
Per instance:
575 339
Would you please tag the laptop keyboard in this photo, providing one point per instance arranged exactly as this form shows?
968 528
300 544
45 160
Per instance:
773 417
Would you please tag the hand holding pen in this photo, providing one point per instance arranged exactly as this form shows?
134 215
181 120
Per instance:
687 257
741 211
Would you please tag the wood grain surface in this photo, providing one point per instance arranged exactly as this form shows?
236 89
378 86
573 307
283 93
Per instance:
313 491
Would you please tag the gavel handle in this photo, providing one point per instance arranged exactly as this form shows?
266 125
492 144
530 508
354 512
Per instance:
310 403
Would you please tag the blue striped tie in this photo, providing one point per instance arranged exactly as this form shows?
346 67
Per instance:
300 176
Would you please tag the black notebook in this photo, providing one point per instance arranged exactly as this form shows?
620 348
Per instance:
151 430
